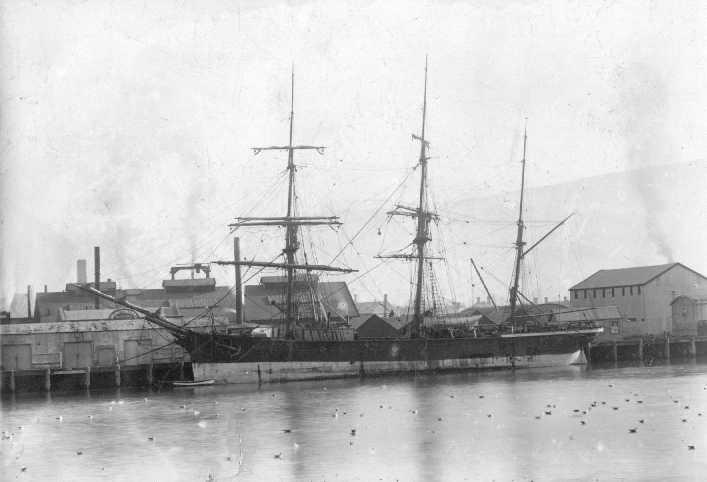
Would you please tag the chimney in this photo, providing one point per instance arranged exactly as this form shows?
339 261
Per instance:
81 271
29 301
478 300
97 273
45 288
564 298
535 300
546 300
385 304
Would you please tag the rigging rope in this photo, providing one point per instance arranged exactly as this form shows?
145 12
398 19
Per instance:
375 213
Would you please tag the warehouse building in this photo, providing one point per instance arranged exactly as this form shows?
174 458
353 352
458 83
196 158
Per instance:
643 295
689 316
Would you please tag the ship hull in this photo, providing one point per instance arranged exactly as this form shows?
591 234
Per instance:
248 360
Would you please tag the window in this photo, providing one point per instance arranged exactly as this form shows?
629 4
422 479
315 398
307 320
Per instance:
630 290
594 293
603 292
585 293
612 292
623 291
639 289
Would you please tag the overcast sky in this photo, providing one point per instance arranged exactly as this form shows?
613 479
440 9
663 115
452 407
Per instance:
128 125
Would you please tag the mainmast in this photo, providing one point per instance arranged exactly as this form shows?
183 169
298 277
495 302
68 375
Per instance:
291 223
424 216
513 294
291 243
423 221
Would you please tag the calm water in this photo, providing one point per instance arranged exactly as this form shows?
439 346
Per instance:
470 426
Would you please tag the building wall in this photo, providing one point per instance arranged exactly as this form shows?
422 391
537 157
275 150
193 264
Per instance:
647 312
689 316
77 344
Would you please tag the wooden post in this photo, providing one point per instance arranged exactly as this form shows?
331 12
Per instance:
181 370
12 381
693 347
48 379
640 349
589 352
615 352
150 377
117 374
667 347
88 377
239 289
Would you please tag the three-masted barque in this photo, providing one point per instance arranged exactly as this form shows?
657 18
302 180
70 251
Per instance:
304 349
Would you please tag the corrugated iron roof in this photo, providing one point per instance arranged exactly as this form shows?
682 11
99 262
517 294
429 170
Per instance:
334 295
639 275
590 314
49 305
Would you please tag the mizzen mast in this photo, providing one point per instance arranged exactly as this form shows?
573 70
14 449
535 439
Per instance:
513 292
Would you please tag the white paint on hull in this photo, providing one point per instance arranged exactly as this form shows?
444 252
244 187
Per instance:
275 372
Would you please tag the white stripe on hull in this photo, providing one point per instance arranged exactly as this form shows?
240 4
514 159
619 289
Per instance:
274 372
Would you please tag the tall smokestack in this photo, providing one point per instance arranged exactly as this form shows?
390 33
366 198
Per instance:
29 301
97 273
81 271
385 304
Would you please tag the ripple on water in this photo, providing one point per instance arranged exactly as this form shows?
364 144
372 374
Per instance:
496 425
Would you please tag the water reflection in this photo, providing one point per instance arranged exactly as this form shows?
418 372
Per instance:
479 426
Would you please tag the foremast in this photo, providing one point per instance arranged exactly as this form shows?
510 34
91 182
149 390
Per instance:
291 222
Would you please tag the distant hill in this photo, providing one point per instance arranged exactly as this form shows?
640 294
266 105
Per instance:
647 216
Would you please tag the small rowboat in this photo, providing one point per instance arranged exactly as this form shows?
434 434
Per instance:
195 383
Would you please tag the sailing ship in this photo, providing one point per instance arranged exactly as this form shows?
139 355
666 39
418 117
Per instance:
305 349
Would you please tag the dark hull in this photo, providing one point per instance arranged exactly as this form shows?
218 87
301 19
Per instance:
243 359
244 349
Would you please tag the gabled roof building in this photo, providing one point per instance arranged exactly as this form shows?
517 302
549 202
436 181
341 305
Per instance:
264 302
642 294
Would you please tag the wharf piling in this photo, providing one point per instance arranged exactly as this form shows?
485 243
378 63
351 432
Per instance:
648 348
49 379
